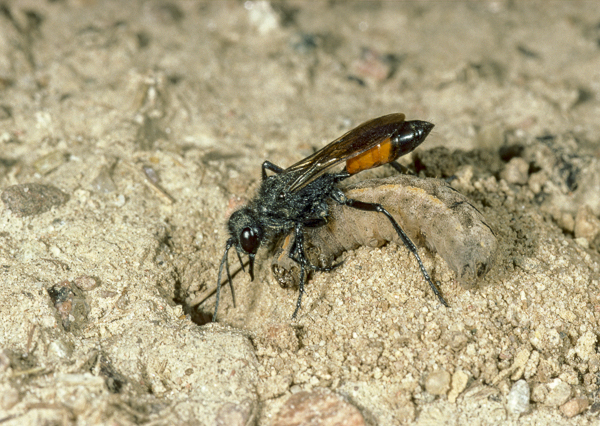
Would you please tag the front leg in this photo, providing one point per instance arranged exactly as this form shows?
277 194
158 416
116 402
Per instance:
299 251
267 165
298 255
373 207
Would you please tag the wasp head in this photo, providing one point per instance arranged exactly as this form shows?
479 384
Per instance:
246 234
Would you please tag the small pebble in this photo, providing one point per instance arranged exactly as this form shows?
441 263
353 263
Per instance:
60 349
405 410
320 407
574 407
120 201
103 182
536 181
151 174
28 199
372 66
262 16
49 162
566 222
517 401
85 282
539 393
560 392
459 384
231 414
68 300
4 360
587 225
438 382
583 243
586 345
516 171
9 397
62 297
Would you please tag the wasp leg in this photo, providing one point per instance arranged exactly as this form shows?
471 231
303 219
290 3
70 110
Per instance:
298 255
340 176
400 168
267 165
373 207
299 248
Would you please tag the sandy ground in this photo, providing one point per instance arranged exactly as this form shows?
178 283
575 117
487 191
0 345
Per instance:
152 119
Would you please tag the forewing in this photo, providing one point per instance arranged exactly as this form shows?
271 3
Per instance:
351 144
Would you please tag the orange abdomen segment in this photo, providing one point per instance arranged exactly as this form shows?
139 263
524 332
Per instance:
379 155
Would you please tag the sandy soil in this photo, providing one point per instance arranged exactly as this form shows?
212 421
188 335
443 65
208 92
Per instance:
148 122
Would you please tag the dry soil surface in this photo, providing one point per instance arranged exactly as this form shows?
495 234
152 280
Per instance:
129 131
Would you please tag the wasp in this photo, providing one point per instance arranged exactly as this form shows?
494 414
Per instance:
295 199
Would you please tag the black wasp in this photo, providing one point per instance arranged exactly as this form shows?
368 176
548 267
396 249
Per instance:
296 198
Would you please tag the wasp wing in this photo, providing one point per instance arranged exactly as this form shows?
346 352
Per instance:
355 142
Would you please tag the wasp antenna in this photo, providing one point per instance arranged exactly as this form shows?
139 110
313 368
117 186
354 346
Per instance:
229 279
223 261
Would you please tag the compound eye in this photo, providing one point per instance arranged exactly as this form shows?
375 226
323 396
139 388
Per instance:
249 240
